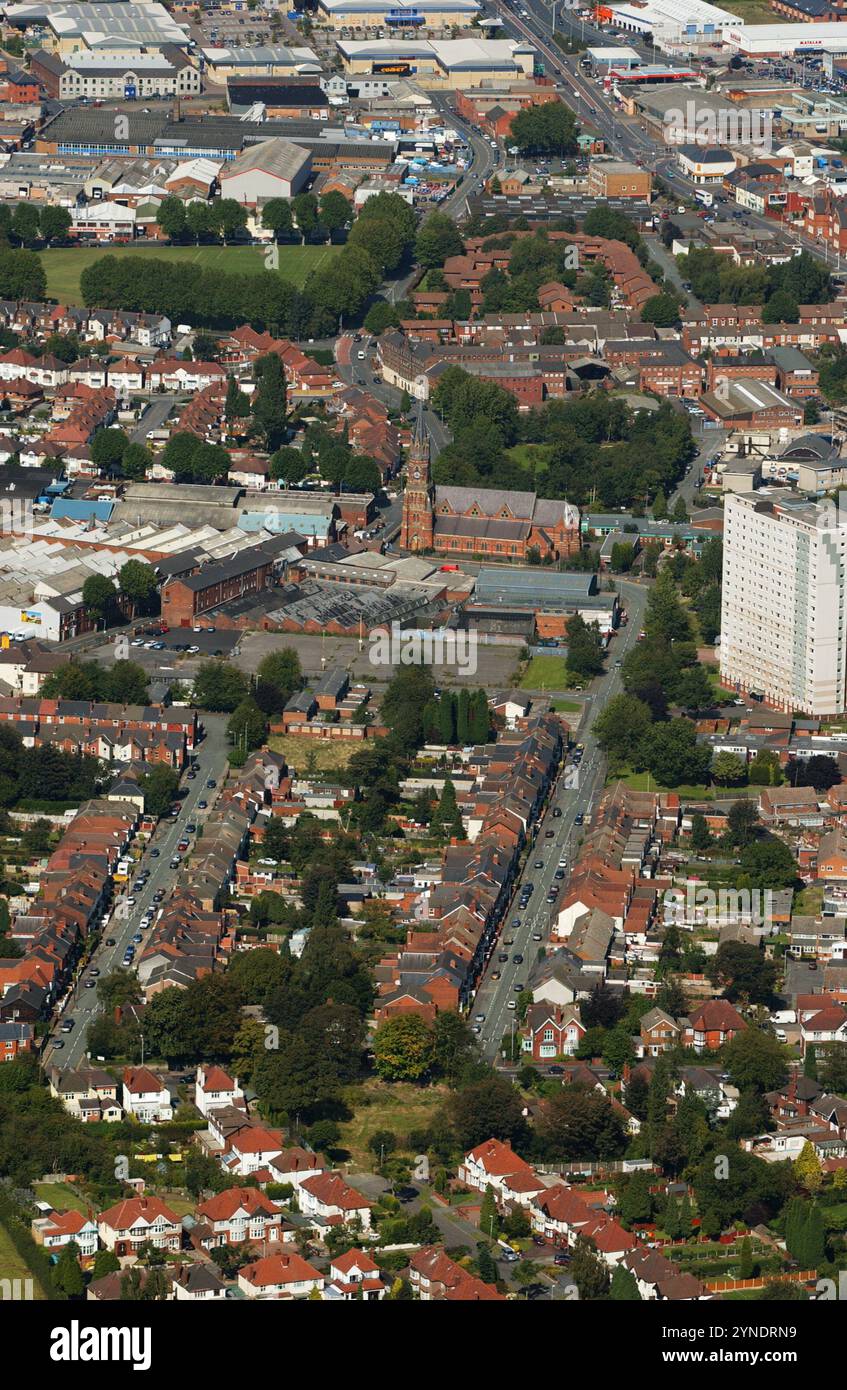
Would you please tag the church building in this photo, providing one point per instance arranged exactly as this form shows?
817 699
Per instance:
493 522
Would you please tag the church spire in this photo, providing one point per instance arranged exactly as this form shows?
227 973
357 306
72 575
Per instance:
420 439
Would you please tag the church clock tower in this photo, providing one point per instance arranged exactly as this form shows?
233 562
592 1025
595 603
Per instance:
416 526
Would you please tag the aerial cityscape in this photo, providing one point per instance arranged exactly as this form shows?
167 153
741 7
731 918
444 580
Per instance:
423 658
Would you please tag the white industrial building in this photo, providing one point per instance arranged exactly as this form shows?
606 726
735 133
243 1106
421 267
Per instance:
398 14
675 21
764 40
74 28
271 169
783 629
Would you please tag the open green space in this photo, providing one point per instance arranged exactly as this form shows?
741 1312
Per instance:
12 1266
64 265
535 458
547 673
400 1108
60 1196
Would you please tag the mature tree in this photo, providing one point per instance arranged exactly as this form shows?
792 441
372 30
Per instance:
98 595
741 822
135 461
728 769
484 1109
269 401
438 238
404 1048
661 309
620 728
744 971
55 223
672 754
577 1122
108 448
219 685
335 211
305 208
585 648
276 216
755 1060
137 582
159 785
171 217
589 1272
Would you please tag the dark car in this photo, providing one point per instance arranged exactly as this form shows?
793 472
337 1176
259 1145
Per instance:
406 1194
69 1025
154 853
59 1042
503 957
110 941
211 783
517 958
201 805
556 1071
550 833
561 1257
94 971
579 818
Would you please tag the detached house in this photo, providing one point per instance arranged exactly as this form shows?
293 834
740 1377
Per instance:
659 1033
711 1025
125 1227
239 1214
489 1164
552 1031
280 1276
826 1026
145 1096
354 1275
214 1088
329 1200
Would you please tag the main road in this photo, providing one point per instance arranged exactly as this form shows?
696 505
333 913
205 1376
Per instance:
83 1004
577 792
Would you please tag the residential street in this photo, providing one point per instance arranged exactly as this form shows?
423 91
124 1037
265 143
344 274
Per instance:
577 790
83 1004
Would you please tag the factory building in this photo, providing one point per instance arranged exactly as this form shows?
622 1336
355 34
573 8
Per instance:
457 64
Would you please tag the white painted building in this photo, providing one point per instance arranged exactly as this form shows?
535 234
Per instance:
783 629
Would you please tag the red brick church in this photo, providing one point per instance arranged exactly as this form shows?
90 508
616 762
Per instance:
493 522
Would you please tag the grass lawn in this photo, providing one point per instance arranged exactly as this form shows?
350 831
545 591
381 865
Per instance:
808 901
12 1266
327 754
547 673
535 458
60 1196
643 782
64 265
567 706
400 1108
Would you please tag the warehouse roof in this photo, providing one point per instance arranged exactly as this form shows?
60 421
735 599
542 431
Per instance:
278 157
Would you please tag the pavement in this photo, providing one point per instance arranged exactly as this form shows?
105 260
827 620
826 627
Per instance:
83 1004
577 790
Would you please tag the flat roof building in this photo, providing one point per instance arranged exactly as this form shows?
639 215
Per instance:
398 14
455 64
